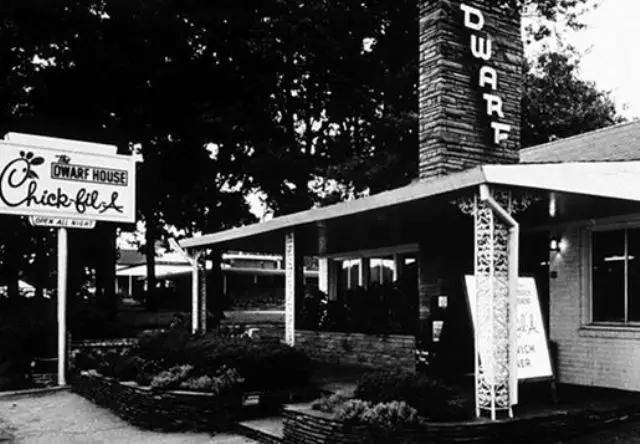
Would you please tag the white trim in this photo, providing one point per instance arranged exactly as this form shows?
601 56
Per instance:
610 331
602 223
384 251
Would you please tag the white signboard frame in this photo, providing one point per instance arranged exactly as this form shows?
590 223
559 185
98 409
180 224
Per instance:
58 183
533 356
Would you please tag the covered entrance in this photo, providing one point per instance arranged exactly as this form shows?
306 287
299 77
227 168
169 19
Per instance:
464 223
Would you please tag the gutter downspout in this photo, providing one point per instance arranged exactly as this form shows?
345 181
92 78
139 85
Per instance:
514 254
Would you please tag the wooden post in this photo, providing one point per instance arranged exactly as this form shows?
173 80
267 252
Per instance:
62 305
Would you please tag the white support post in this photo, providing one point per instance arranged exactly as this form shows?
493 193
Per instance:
62 305
398 266
201 261
290 260
195 297
323 275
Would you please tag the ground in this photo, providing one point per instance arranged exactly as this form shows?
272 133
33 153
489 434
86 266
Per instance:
66 418
627 433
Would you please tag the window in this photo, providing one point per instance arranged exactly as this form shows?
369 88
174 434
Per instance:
615 276
350 273
381 270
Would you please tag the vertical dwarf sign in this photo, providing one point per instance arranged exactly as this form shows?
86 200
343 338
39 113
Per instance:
482 49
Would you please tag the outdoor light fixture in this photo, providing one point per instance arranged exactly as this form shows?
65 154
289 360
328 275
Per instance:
554 245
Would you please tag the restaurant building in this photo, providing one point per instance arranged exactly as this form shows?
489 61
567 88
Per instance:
566 213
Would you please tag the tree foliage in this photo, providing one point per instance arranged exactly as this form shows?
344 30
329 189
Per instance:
558 104
224 97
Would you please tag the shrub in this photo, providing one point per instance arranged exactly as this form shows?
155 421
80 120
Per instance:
431 398
329 404
109 362
392 417
172 378
146 372
225 381
264 365
163 346
199 383
128 367
85 360
384 422
353 411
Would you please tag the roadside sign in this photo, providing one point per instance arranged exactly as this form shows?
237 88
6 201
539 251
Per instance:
65 184
58 183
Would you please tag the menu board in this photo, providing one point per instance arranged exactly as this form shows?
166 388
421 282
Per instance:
532 353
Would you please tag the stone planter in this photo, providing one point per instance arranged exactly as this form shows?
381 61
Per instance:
160 410
303 425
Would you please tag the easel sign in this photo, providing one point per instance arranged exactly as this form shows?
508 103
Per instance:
532 348
65 184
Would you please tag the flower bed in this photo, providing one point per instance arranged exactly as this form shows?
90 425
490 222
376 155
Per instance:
306 426
397 407
160 410
262 365
167 370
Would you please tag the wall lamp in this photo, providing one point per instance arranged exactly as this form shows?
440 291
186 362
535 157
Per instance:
554 245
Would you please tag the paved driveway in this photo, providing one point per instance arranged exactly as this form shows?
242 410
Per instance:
66 418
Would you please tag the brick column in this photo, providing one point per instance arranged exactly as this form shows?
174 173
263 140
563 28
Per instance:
469 89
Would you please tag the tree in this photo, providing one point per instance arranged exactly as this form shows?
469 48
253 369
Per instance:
386 155
558 104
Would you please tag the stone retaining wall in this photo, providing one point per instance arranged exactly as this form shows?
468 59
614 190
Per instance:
104 344
373 351
166 411
305 426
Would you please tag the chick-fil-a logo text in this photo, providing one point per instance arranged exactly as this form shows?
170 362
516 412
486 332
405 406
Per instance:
19 187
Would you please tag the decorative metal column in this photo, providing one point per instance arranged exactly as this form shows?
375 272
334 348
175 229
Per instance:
496 273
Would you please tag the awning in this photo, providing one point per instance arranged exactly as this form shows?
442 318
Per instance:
392 213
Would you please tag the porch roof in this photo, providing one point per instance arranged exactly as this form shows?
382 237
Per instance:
613 180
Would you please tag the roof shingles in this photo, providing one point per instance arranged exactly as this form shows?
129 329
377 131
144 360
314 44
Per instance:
614 143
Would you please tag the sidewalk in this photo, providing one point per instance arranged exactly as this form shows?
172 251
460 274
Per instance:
66 418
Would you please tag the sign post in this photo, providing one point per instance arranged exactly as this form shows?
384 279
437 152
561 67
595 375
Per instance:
65 184
62 304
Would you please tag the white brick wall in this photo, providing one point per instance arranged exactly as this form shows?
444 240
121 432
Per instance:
587 355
